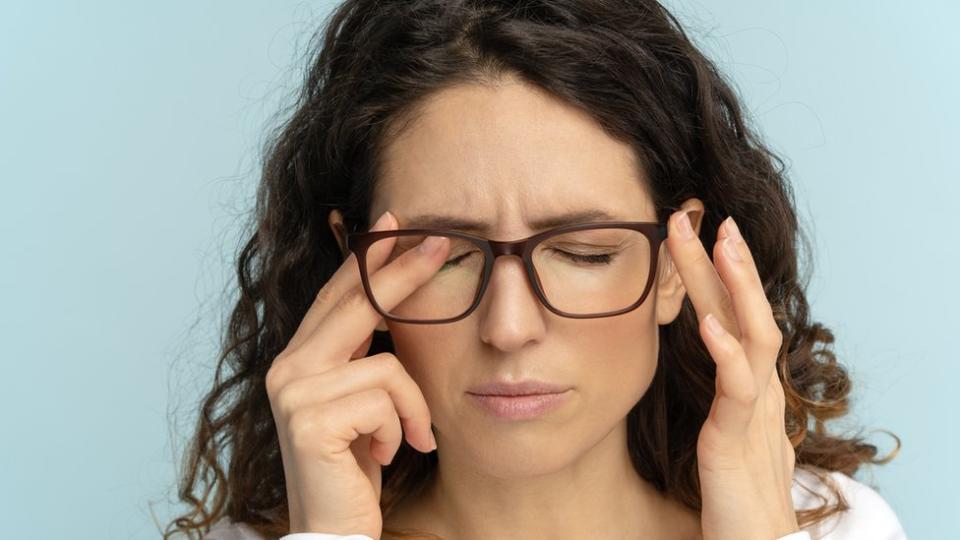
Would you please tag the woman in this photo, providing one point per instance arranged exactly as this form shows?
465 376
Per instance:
645 367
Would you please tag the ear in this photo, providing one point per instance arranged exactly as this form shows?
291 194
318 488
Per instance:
340 232
670 290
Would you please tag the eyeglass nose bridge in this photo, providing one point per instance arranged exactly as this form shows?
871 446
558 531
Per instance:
508 247
512 247
518 248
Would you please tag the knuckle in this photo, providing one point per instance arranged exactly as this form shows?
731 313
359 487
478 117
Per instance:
750 396
389 365
393 364
380 404
350 300
276 375
324 295
303 426
769 338
773 338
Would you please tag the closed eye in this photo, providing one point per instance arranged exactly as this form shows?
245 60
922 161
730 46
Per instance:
599 258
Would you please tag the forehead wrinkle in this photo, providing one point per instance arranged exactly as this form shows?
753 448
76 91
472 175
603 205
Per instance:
457 222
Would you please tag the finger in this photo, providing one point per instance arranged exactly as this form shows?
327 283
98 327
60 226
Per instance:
736 387
353 318
379 371
760 335
330 428
698 273
345 278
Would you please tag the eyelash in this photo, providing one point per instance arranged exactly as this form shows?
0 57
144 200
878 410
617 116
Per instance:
604 258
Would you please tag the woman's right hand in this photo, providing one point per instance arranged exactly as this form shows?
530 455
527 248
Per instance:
339 412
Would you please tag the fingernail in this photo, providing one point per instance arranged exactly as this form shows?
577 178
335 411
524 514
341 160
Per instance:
433 442
683 225
713 325
730 247
381 221
430 245
733 230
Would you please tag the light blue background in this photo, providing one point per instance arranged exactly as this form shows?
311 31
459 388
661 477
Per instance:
129 139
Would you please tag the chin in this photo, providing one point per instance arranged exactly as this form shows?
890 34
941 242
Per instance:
515 450
514 461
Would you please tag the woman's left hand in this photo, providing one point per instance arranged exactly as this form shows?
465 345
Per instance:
745 459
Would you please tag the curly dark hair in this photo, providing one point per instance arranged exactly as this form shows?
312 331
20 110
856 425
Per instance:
628 64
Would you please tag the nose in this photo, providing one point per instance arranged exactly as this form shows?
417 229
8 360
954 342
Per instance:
511 314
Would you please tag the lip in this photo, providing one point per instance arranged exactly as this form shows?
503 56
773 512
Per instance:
521 388
518 400
520 407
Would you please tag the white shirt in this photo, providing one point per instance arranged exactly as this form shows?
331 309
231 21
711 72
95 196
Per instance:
869 516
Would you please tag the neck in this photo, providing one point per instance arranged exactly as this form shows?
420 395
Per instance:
599 495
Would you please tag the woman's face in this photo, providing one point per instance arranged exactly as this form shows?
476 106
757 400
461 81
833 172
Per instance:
508 156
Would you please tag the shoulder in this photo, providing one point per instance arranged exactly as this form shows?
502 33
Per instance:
869 516
225 529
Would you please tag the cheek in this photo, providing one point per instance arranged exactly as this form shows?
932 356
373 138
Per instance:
428 354
622 353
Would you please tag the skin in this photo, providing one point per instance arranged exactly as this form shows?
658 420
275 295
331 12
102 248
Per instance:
509 154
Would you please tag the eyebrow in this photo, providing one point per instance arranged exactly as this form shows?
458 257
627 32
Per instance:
437 221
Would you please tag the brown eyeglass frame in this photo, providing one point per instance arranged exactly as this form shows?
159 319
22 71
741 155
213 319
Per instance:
360 242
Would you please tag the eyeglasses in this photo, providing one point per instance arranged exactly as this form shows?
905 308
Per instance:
580 271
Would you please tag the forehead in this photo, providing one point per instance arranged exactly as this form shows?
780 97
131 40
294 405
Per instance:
506 153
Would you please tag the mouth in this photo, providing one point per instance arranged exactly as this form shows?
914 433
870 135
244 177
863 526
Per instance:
520 406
